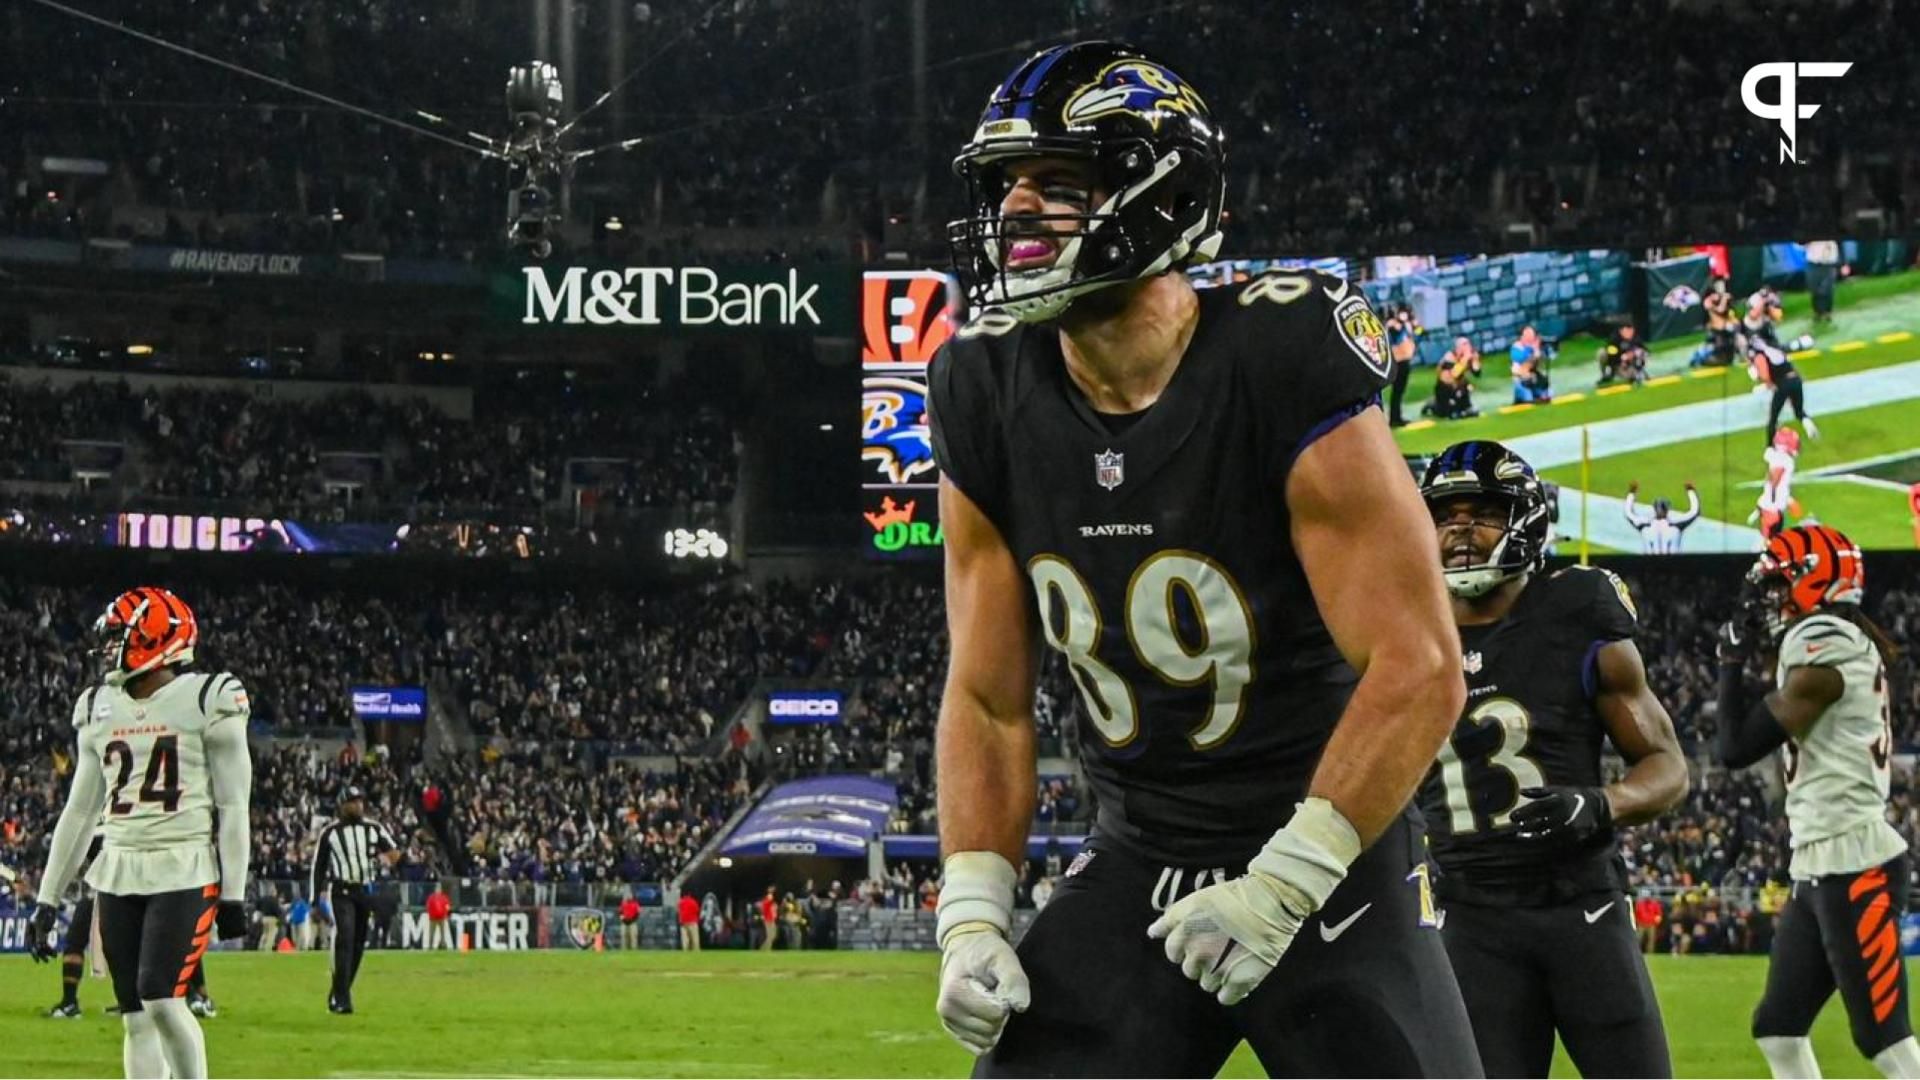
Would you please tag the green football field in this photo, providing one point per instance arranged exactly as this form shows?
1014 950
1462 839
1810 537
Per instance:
666 1014
1707 426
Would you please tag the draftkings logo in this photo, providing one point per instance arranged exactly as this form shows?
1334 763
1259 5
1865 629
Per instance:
895 530
1787 112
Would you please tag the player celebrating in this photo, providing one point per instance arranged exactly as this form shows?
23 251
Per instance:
1662 530
1538 925
1769 363
1776 494
1840 928
1200 496
160 752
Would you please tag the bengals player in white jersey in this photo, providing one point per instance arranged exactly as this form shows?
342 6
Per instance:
1832 719
162 752
1776 492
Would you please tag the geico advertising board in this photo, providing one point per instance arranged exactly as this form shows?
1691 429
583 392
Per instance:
804 706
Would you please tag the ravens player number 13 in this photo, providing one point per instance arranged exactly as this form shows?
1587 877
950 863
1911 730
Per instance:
1195 499
1521 823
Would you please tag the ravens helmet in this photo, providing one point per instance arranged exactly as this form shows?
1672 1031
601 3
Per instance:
1158 162
1484 470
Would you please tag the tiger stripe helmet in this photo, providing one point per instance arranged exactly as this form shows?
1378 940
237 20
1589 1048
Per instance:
145 629
1819 567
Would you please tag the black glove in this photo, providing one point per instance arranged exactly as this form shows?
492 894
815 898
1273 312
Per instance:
1735 640
40 935
1562 816
230 919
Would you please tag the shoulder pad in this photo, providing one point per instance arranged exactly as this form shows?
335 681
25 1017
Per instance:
223 695
1810 633
1588 587
1312 299
91 706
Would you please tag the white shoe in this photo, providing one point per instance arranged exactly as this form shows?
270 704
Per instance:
1813 429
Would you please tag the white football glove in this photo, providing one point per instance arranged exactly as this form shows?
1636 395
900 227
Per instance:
981 980
1228 937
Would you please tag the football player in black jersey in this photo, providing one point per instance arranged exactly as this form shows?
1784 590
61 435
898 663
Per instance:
1537 919
1195 498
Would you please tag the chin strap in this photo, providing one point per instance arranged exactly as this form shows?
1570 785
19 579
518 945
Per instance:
1471 583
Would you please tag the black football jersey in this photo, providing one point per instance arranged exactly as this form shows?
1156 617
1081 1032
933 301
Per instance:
1529 721
1159 557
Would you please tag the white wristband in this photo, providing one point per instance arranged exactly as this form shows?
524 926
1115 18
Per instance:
1312 851
976 886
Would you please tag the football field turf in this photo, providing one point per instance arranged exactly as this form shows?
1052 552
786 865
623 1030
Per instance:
1706 425
666 1014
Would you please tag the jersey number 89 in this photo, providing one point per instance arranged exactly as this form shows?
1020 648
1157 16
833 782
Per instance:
1222 655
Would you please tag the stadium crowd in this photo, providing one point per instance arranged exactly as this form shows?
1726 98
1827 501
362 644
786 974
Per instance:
552 685
1387 127
216 444
514 820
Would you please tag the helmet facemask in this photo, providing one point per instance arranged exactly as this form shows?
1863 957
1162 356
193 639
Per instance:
1148 223
134 636
1151 145
1512 554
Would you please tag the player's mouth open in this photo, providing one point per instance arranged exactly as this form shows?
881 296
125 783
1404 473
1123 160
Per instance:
1029 253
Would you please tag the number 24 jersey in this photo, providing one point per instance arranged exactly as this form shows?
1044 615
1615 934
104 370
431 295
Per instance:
152 755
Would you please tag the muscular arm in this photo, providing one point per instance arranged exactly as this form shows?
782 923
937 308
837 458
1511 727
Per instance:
1643 733
231 769
984 742
1366 542
85 799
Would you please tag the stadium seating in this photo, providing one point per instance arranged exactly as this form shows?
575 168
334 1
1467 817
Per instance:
1382 129
553 685
236 446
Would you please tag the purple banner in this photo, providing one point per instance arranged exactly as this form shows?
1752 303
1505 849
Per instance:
828 815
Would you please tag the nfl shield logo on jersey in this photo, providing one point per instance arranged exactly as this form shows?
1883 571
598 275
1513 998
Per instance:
1109 469
1471 662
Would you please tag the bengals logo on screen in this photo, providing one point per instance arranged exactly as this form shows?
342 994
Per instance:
905 316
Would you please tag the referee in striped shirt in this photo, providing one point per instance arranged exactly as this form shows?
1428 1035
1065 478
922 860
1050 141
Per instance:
343 874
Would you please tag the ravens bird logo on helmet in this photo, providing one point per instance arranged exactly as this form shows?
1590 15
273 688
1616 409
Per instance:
1156 162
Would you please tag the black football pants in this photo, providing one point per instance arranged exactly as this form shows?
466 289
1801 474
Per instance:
1572 968
1365 989
352 918
154 942
1841 932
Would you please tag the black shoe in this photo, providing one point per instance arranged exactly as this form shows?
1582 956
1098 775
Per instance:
336 1005
66 1010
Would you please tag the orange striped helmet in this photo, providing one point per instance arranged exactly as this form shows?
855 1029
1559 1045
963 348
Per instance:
1818 566
144 629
